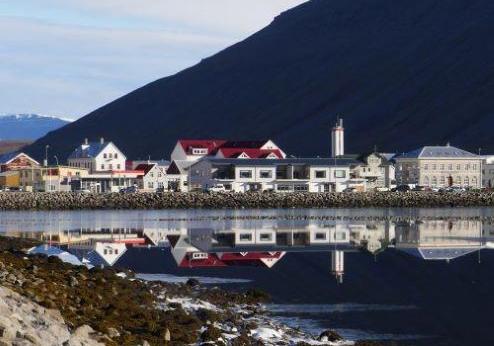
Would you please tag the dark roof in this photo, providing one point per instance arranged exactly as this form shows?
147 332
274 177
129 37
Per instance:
288 161
436 151
91 149
145 167
443 253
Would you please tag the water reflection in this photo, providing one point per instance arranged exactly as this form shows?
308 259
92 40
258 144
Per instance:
205 239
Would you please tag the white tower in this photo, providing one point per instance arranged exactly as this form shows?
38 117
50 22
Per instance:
338 265
338 139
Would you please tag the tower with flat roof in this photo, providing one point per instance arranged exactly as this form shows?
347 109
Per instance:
338 139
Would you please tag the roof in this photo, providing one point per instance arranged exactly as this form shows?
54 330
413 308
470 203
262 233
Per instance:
52 251
365 156
179 166
210 144
8 157
245 144
145 167
91 150
253 153
439 253
446 151
288 161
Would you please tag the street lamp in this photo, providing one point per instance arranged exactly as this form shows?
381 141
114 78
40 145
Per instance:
46 154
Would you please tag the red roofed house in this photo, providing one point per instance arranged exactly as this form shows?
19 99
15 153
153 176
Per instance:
192 150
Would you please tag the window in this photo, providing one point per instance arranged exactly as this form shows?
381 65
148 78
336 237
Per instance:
474 181
118 166
458 180
265 174
266 236
434 181
115 155
116 251
245 237
426 167
475 167
466 181
458 167
245 174
104 155
442 167
102 166
110 166
284 187
450 167
320 236
150 185
320 174
339 173
426 180
110 155
301 187
434 167
442 180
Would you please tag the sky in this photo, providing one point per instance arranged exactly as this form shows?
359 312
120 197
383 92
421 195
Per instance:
69 57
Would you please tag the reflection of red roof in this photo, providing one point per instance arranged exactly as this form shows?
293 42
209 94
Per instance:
210 144
231 259
252 153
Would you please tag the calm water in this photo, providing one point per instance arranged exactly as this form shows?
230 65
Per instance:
416 276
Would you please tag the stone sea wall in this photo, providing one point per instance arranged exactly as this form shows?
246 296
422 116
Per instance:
75 201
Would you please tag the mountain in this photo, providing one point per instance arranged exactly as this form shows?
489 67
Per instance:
27 126
401 73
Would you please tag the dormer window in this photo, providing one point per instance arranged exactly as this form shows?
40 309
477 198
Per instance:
110 155
199 151
104 156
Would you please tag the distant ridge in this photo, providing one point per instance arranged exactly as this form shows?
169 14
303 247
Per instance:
28 126
403 74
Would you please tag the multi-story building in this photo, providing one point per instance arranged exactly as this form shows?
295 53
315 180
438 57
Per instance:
376 169
154 177
97 157
283 175
192 150
49 179
439 166
488 171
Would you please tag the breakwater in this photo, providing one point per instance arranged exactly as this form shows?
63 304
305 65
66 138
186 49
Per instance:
76 201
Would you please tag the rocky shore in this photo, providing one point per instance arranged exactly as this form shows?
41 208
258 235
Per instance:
44 301
75 201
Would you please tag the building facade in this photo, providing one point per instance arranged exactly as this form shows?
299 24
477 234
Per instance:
377 171
439 166
97 157
283 175
14 161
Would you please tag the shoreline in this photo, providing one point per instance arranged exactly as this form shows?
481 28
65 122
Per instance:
108 306
162 201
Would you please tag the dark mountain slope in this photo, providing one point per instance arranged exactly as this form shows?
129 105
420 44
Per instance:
402 73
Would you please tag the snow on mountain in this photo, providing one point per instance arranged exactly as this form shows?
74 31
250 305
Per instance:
28 126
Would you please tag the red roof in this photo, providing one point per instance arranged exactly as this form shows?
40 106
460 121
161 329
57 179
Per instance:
211 144
252 153
144 167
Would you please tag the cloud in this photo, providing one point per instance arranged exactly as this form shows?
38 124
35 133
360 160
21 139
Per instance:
68 57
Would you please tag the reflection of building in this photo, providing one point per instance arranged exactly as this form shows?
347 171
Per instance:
338 265
372 236
439 239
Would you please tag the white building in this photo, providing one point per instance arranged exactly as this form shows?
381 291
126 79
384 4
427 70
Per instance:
195 149
97 157
338 139
154 177
375 168
283 175
439 166
488 171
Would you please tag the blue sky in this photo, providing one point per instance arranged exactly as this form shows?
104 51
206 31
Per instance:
69 57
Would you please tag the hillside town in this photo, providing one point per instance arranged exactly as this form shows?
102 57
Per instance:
219 165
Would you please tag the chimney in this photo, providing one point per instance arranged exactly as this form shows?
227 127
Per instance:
102 140
86 142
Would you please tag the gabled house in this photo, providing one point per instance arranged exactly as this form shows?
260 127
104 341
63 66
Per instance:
16 160
98 157
193 150
154 177
376 169
177 175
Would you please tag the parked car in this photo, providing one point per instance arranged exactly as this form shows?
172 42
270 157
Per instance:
401 188
418 188
216 188
349 190
129 189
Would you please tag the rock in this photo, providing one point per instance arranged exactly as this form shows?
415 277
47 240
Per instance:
167 337
329 335
112 332
192 282
73 281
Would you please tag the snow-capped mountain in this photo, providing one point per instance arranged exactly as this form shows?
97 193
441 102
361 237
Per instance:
28 126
